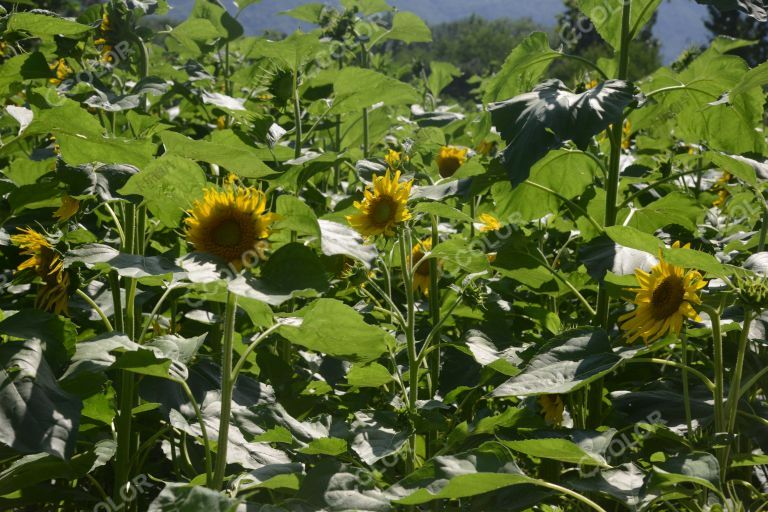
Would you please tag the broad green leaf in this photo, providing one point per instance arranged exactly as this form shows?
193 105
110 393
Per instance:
409 28
741 167
441 210
292 271
689 258
232 154
555 448
441 74
534 123
292 52
191 498
36 415
296 215
606 15
45 25
630 237
674 208
358 88
336 329
332 446
565 172
310 12
753 8
226 25
567 363
698 468
457 252
372 375
79 149
522 69
105 258
340 239
23 67
169 186
366 7
57 335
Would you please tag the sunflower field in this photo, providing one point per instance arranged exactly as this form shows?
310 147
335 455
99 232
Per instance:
250 274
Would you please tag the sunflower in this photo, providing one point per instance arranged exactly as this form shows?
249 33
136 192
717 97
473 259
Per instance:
450 159
421 276
229 223
489 222
394 159
69 207
384 207
665 298
721 187
48 265
626 135
62 71
552 406
104 40
485 147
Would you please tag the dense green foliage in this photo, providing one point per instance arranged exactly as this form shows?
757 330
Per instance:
304 274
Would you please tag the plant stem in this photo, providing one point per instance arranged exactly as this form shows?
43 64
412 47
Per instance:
226 391
686 391
735 388
203 430
366 135
611 211
96 308
410 337
297 115
434 307
114 285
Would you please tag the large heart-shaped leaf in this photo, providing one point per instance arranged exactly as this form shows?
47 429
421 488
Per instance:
568 362
534 123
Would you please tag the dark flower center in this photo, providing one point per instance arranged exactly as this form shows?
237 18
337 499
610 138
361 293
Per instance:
667 297
383 211
228 233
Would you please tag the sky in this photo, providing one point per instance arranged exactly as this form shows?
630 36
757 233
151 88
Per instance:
680 22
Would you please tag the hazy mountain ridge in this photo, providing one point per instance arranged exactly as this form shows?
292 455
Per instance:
679 25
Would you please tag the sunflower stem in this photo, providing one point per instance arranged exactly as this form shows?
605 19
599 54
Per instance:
410 337
611 210
717 394
735 389
226 391
297 115
686 391
99 311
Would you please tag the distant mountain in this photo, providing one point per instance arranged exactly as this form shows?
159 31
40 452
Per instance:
680 22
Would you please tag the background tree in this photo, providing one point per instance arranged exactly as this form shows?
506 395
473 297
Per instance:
739 25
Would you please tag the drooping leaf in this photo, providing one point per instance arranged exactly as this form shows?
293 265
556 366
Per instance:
534 123
567 363
36 415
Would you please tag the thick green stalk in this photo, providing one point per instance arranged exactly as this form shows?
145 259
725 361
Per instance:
738 371
434 309
595 400
297 115
686 391
366 150
226 391
410 338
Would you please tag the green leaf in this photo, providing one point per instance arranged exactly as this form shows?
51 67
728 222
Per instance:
409 28
296 215
567 363
230 153
106 258
292 52
79 149
57 335
23 67
441 210
555 448
169 186
441 74
306 12
191 498
331 446
357 88
698 468
372 375
606 15
522 69
630 237
292 271
36 415
340 239
689 258
45 25
459 253
366 7
336 329
534 123
753 8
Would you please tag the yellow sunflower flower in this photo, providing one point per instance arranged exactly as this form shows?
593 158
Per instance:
221 122
104 39
489 222
48 265
62 71
384 207
450 159
229 223
665 298
421 276
553 407
721 187
69 207
626 135
485 147
394 159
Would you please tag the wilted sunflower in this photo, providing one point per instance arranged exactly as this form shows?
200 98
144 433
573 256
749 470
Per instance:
48 265
552 406
489 222
384 207
69 207
62 71
666 296
229 223
421 276
450 159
